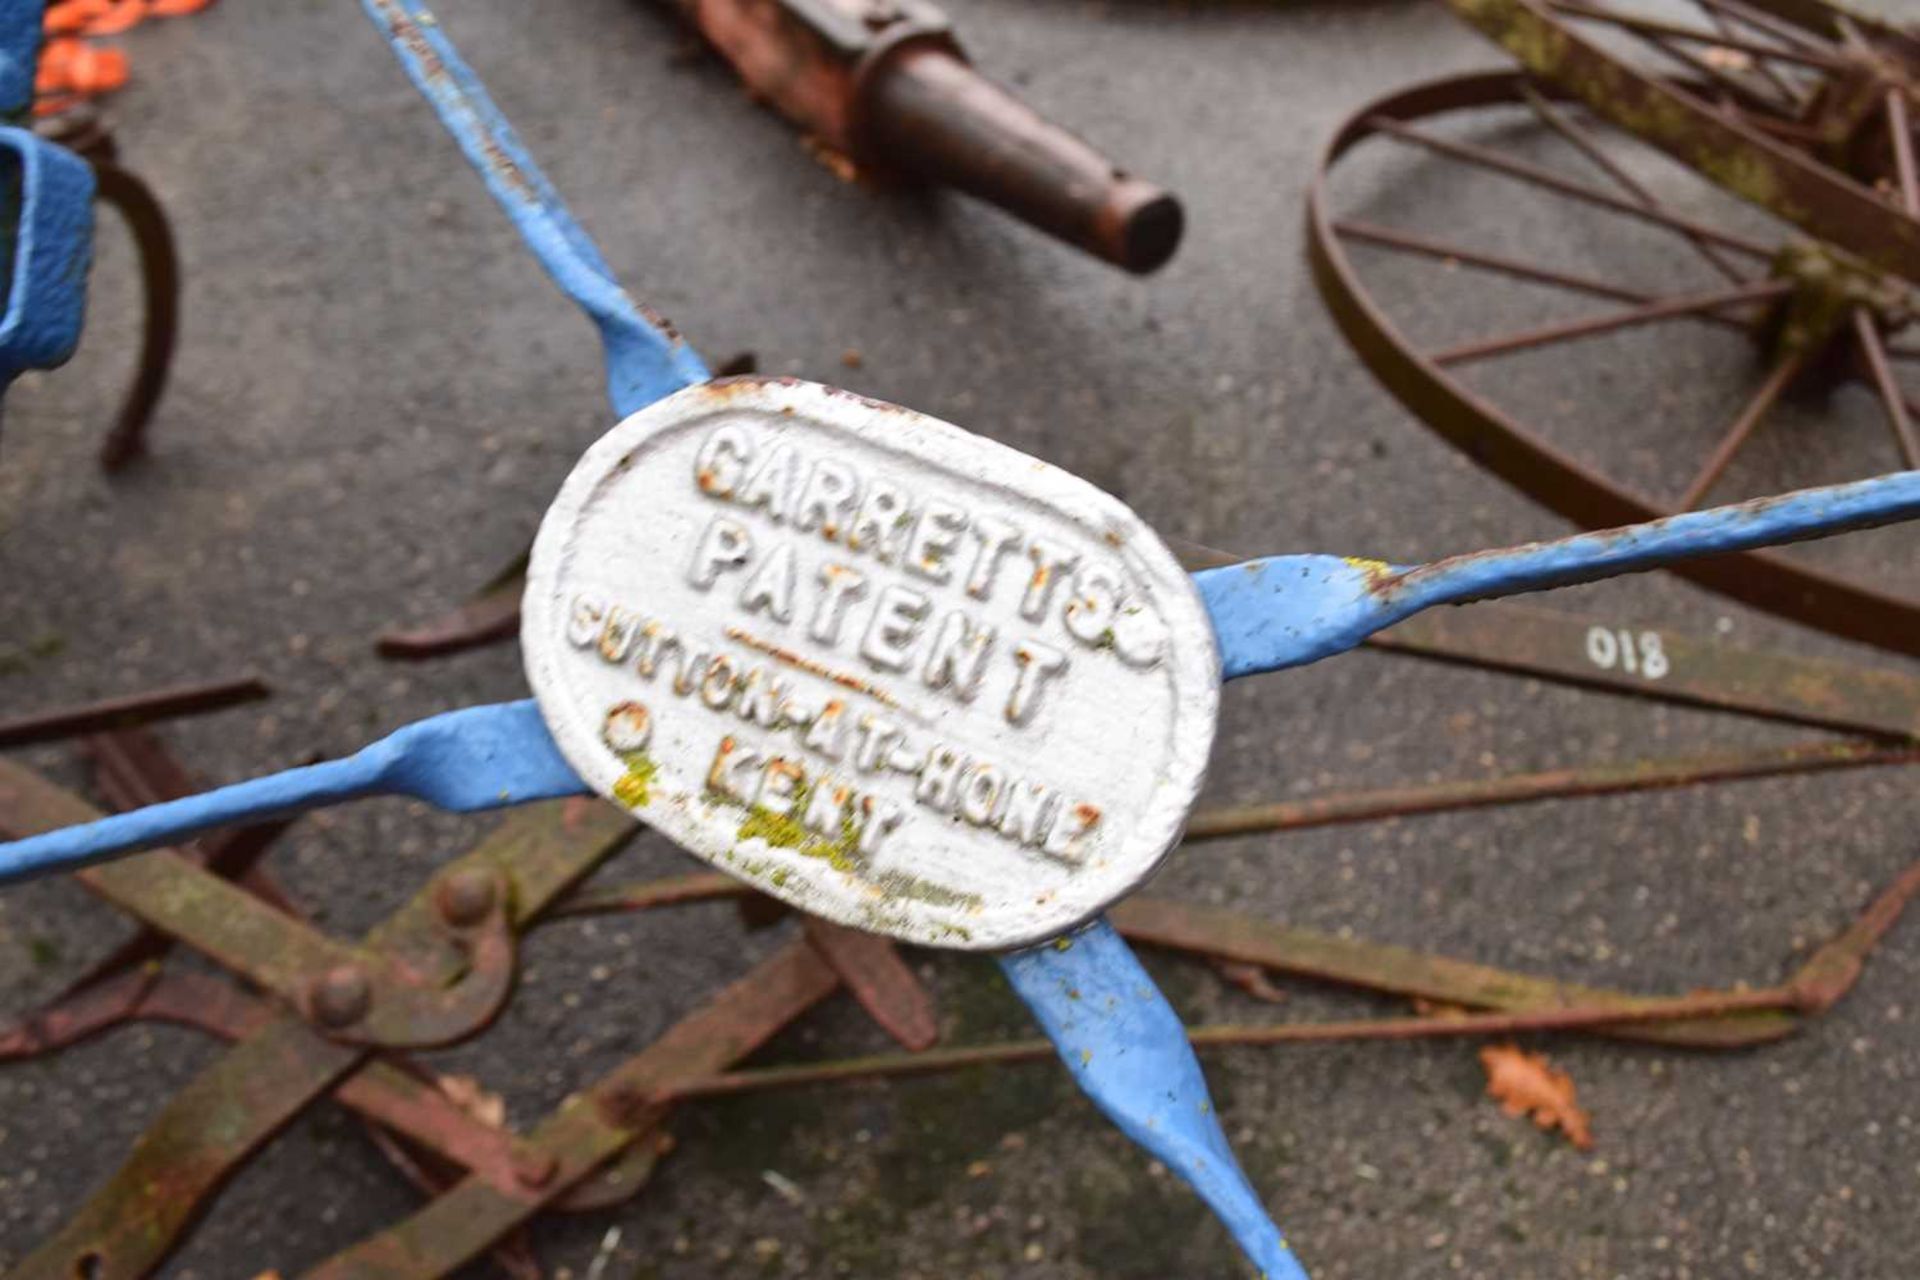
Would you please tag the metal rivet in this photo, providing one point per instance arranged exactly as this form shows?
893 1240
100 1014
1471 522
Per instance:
535 1168
341 996
465 897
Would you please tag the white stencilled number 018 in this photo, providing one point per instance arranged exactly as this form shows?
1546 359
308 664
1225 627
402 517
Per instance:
1640 655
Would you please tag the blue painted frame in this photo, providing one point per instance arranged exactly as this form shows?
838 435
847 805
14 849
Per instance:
1124 1045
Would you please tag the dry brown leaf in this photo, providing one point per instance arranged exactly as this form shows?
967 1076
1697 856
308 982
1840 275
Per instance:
1721 58
836 162
1437 1008
1250 978
471 1097
1525 1084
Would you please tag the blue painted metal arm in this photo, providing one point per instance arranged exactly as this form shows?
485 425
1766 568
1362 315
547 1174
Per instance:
1128 1050
479 758
645 358
1284 611
1267 614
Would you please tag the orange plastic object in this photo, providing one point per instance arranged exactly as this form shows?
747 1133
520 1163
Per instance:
71 70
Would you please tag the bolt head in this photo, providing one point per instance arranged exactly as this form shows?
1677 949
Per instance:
535 1168
341 996
465 897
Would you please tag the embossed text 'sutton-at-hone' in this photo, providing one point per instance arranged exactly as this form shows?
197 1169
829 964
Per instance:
892 672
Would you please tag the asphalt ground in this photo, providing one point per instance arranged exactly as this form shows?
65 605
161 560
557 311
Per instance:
377 392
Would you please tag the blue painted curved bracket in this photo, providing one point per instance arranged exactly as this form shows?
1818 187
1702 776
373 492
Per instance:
46 201
646 359
20 29
51 242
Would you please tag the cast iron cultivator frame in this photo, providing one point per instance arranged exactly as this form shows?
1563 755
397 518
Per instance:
311 1017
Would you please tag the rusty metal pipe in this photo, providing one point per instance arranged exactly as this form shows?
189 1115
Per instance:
927 113
885 83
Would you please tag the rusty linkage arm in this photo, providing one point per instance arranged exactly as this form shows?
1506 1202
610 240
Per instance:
417 965
388 1091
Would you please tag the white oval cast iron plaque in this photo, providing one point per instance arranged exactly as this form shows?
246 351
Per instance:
896 674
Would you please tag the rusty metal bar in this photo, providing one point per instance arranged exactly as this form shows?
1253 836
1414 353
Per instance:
1650 1012
140 994
247 1095
1212 931
593 1126
1549 784
1900 127
389 1091
879 979
697 886
1709 1019
493 615
133 709
208 1129
1665 665
140 209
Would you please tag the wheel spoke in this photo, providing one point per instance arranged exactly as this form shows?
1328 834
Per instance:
1654 26
1900 126
1756 409
1662 309
1760 20
1584 143
1424 246
1469 154
1896 403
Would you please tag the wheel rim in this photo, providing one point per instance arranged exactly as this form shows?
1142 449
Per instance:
1525 457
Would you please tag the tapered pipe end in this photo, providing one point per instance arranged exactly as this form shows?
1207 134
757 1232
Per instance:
922 110
1140 227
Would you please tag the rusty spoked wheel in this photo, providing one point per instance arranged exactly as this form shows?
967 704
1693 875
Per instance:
1712 319
1801 106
